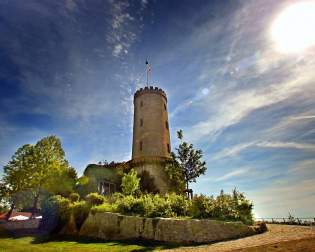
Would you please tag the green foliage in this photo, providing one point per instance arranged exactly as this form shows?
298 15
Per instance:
175 173
186 162
105 207
74 197
179 204
56 212
38 168
95 199
202 206
233 207
80 211
130 183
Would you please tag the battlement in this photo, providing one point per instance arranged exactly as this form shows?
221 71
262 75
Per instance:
150 89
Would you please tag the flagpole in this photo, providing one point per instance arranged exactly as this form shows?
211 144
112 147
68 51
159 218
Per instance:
147 69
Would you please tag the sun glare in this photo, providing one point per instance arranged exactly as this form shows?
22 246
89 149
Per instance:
294 29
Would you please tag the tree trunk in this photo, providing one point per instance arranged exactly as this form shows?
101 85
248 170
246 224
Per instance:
34 206
8 215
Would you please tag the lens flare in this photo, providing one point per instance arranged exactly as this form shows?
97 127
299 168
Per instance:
293 31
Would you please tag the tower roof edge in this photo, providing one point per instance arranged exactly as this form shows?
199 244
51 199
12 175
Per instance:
150 89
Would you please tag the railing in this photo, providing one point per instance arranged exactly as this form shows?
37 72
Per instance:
308 221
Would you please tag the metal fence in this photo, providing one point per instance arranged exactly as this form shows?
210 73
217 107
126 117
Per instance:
309 221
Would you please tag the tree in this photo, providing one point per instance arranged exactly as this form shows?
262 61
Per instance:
50 170
37 168
188 161
16 175
130 182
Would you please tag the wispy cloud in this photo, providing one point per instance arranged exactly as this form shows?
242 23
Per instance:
233 174
237 149
124 27
294 145
232 151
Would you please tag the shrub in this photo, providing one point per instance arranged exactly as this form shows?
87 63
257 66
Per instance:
179 204
162 207
130 182
74 197
56 212
202 206
131 205
105 207
228 207
94 199
80 212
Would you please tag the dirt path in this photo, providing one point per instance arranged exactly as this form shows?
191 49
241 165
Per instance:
280 238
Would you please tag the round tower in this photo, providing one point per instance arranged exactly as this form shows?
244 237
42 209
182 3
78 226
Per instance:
151 146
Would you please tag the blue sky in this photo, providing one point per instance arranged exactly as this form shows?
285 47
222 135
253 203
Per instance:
70 68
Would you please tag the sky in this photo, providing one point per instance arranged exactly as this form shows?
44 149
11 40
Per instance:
239 84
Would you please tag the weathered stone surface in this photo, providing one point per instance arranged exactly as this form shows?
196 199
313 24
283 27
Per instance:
151 136
112 226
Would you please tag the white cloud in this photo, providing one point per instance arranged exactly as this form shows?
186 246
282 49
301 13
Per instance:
232 151
124 27
235 173
284 196
237 149
294 145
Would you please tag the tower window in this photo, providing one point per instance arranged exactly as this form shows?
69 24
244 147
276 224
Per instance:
165 106
166 124
141 103
141 145
168 148
141 122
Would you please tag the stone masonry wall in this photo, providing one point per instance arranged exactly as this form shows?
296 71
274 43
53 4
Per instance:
112 226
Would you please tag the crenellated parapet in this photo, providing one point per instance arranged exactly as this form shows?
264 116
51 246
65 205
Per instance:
151 90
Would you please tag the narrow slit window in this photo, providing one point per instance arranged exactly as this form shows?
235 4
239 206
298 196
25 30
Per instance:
141 122
141 103
165 106
166 124
141 145
168 148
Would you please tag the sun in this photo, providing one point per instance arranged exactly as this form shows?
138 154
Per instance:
293 30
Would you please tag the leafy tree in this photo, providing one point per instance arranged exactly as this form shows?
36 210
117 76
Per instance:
50 170
16 175
187 160
130 182
37 168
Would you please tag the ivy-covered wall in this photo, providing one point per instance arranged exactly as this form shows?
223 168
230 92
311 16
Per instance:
99 173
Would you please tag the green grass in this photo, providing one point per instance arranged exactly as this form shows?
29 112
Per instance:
9 243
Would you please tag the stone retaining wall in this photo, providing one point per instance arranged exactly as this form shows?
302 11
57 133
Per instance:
112 226
21 224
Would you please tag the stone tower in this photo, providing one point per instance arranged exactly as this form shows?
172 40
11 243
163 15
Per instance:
151 137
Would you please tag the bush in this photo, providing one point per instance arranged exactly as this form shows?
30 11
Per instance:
130 182
162 207
131 205
74 197
94 199
179 204
80 212
105 207
234 207
202 206
56 212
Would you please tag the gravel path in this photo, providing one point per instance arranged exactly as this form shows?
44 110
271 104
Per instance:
279 238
